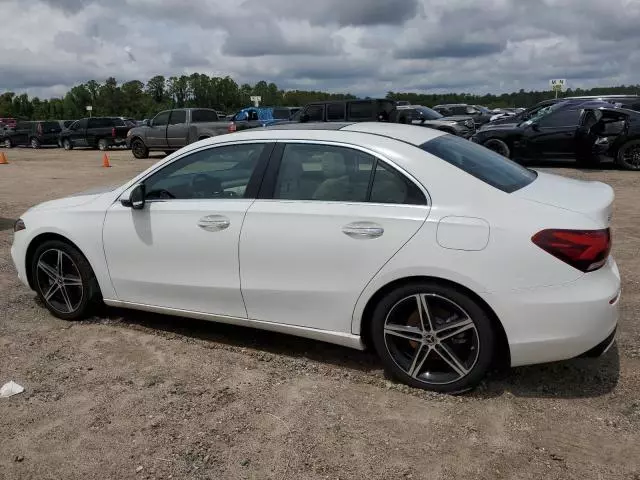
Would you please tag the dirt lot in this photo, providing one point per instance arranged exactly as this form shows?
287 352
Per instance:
135 395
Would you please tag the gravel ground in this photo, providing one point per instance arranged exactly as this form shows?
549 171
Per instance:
136 395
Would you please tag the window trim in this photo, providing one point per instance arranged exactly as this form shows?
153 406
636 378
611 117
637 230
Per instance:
267 189
253 187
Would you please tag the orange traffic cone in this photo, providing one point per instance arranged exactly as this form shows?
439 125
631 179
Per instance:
105 161
3 159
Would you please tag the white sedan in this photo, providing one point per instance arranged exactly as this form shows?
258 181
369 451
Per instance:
440 254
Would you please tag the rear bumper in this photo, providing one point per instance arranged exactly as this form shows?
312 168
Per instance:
560 322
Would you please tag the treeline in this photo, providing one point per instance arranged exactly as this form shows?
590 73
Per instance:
139 100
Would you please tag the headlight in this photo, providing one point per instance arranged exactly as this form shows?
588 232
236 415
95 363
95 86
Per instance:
19 225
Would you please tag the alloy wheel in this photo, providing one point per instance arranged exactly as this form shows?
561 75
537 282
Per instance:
431 339
631 156
59 281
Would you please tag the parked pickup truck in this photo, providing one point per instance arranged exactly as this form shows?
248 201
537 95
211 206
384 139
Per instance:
173 129
96 132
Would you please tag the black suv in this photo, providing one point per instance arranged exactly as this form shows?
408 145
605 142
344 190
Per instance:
460 125
480 114
375 110
34 134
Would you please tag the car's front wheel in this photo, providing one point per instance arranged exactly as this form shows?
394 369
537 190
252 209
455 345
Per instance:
64 280
433 336
7 143
66 144
35 143
103 144
498 146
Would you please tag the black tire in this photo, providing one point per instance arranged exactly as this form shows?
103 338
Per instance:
103 144
66 144
628 156
35 143
7 143
498 146
139 149
82 294
399 354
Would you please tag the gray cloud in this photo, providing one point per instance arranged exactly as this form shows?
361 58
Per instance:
362 46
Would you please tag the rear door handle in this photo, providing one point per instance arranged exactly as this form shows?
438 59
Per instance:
214 223
363 230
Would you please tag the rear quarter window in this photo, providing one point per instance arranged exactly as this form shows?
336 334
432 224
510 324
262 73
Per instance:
482 163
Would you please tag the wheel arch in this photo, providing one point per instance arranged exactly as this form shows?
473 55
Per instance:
502 355
39 240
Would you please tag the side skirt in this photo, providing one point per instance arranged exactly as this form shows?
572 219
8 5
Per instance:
345 339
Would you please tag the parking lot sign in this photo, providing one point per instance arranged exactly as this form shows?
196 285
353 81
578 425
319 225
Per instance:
558 85
256 100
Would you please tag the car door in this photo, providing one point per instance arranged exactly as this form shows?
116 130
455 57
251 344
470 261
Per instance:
554 135
157 131
78 133
181 250
328 218
21 133
177 129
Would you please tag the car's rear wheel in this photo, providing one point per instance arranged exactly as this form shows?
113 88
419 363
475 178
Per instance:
103 145
433 336
66 144
139 149
8 143
629 155
498 146
64 280
35 143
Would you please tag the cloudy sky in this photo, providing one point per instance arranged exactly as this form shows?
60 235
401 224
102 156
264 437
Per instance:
366 47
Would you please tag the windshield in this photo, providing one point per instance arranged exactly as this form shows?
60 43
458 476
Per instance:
484 164
425 113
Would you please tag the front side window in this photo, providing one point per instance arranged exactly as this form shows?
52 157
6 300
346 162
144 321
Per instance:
314 113
323 172
161 119
214 173
562 118
484 164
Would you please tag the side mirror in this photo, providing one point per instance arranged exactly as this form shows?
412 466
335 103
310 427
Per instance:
304 118
135 199
146 122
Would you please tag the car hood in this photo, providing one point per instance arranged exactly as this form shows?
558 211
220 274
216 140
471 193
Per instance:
456 118
502 128
74 200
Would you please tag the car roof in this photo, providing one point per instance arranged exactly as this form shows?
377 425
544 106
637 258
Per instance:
452 105
412 134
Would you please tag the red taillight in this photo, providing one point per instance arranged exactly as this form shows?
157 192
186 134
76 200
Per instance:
232 127
113 132
586 250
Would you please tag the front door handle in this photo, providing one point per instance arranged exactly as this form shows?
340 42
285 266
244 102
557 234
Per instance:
214 223
363 230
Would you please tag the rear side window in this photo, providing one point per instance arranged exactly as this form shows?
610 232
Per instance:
100 122
50 127
389 186
201 116
281 113
177 117
482 163
118 122
361 111
335 111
